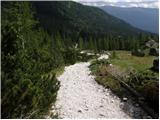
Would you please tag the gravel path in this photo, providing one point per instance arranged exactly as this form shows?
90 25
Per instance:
80 96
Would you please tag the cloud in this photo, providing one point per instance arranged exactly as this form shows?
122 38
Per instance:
121 3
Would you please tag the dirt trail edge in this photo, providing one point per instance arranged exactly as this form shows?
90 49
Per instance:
80 96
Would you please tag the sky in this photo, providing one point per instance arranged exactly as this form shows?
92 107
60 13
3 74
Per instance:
122 3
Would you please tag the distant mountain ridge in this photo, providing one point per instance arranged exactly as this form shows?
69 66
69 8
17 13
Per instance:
143 18
74 18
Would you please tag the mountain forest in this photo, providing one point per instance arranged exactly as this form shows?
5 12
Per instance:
40 38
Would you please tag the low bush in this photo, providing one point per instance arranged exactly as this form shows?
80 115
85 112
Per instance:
147 84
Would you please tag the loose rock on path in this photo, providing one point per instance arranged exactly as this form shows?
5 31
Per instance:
80 96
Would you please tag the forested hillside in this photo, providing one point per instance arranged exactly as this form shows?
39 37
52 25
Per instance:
73 18
91 24
40 37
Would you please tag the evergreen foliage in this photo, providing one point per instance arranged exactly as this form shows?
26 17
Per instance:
29 55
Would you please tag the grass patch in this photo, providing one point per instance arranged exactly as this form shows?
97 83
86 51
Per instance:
126 61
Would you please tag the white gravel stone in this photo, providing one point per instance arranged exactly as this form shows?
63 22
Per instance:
80 96
90 54
104 56
110 65
125 99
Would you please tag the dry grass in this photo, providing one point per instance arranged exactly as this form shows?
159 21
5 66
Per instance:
103 77
123 64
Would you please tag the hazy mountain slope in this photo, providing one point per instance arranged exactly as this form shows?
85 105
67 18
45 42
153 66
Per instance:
142 18
74 18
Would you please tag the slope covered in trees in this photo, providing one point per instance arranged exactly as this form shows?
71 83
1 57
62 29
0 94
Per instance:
76 19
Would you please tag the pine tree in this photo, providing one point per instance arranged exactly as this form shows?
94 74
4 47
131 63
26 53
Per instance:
114 54
106 43
95 45
91 44
58 41
81 44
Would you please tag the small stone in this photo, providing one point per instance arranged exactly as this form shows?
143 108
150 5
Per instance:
149 117
114 97
137 105
80 111
121 104
110 65
127 76
131 111
112 101
101 114
125 99
107 94
52 108
101 106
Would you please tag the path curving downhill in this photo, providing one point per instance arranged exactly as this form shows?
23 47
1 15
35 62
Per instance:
80 96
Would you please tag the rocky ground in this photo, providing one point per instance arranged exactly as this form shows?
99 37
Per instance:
80 96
